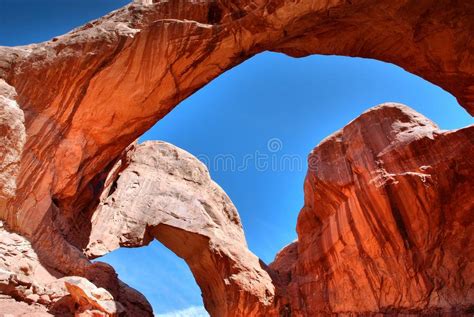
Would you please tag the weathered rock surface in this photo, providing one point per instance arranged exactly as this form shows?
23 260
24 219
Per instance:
11 307
92 300
160 191
387 224
25 280
12 140
87 95
21 274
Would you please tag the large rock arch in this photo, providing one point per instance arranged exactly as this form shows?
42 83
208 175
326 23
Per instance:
89 94
165 193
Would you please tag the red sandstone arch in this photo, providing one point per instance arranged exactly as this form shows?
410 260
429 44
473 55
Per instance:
88 94
164 193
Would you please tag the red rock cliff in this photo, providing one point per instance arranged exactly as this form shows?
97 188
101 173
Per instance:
387 225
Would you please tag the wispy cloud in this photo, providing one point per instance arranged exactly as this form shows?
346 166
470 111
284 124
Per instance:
196 311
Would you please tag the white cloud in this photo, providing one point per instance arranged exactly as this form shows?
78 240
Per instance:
196 311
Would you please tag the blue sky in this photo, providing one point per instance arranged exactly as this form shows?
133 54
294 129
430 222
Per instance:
291 103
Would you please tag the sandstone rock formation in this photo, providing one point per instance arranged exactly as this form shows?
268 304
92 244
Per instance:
23 279
87 95
160 191
388 222
106 83
12 140
92 300
18 263
11 307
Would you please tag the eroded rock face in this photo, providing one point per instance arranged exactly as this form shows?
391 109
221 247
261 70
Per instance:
11 307
12 140
92 300
387 224
160 191
25 280
21 275
87 95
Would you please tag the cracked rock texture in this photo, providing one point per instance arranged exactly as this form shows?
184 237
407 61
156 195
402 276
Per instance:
387 224
71 106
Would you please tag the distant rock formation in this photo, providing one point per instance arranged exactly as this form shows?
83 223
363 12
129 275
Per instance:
70 107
